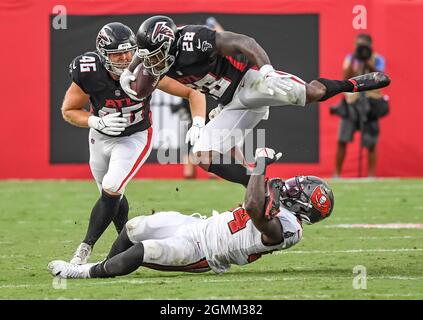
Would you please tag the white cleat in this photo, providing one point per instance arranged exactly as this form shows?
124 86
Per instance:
82 254
66 270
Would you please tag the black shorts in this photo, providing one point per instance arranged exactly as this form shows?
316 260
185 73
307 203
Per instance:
369 134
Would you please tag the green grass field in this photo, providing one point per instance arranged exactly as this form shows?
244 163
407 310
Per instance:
42 221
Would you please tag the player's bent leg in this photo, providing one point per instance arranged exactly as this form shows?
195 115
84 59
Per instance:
121 244
99 160
160 225
368 81
314 91
101 216
121 264
174 254
256 92
203 159
218 138
127 157
121 218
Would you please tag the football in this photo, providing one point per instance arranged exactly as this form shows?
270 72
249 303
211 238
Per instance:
144 83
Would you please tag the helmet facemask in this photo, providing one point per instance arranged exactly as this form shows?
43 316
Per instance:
159 61
117 67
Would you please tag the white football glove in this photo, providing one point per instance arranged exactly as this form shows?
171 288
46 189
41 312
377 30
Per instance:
215 112
274 82
125 82
269 154
194 132
110 124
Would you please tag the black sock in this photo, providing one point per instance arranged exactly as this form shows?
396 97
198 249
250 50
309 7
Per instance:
121 264
102 214
333 87
232 172
121 244
121 217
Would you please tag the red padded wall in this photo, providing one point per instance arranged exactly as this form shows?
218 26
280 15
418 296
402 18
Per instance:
395 25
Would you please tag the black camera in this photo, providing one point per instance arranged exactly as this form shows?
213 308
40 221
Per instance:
363 52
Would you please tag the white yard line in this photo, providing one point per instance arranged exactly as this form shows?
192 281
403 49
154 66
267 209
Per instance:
89 283
379 226
346 251
369 238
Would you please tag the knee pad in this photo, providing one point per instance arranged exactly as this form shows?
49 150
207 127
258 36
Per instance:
112 184
135 228
153 251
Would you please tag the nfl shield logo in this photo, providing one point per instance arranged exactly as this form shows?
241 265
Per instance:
117 93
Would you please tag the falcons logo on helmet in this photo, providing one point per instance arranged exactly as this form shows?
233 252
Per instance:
103 39
162 31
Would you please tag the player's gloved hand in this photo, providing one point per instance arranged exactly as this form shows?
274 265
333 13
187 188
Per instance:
125 82
110 124
267 155
275 82
264 157
194 132
272 197
215 112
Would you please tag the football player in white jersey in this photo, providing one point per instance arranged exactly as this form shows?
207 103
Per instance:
270 219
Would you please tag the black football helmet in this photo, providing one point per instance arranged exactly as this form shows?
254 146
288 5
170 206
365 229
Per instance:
157 41
115 37
309 197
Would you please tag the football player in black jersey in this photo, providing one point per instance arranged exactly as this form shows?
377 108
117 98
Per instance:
121 132
236 71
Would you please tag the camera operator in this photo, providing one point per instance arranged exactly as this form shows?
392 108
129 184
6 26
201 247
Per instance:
361 111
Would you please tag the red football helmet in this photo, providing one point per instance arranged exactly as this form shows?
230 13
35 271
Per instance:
309 197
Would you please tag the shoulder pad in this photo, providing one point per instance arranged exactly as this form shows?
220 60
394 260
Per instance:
86 71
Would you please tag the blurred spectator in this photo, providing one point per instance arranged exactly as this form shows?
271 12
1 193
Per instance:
361 111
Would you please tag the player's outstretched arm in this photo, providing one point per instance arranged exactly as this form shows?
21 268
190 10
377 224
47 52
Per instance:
255 203
197 100
230 43
197 104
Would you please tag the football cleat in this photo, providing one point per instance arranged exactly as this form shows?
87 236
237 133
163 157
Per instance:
82 254
66 270
370 81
